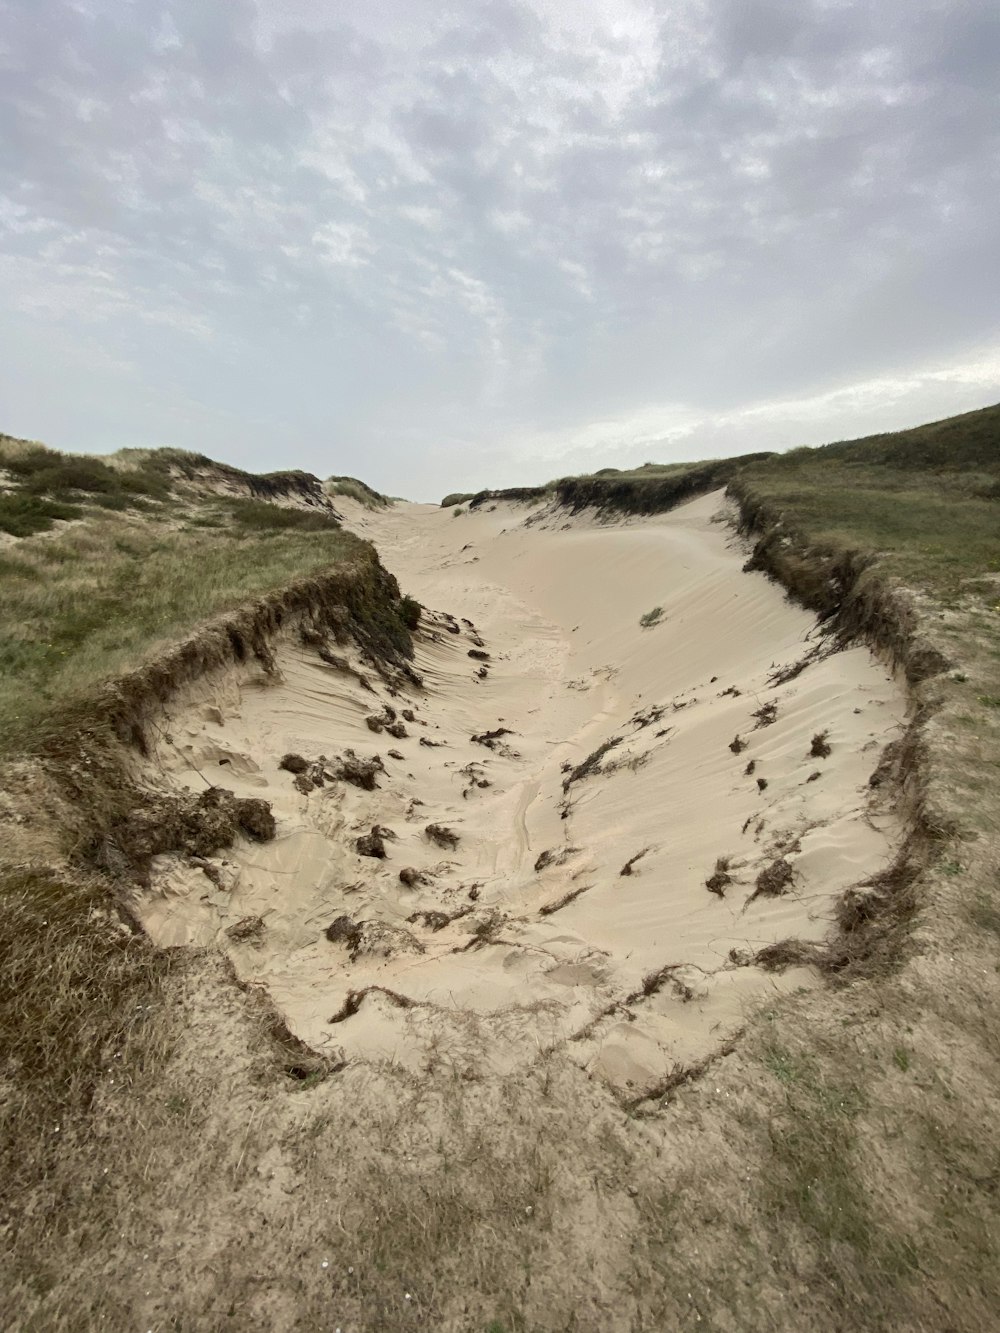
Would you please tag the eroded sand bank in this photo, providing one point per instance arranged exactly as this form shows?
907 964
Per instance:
527 934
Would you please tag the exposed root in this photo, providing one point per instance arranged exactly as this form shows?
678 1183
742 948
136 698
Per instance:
355 997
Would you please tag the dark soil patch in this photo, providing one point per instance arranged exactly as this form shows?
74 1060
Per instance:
371 844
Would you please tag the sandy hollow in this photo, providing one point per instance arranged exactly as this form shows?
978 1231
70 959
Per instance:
661 802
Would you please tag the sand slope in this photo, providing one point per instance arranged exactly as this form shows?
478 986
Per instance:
623 746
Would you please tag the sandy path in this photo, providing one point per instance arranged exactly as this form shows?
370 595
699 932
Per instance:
549 943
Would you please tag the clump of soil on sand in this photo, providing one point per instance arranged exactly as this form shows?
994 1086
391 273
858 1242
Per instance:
344 931
444 837
748 772
479 654
197 825
720 877
250 928
820 747
386 721
359 772
373 843
373 938
737 744
316 773
773 880
411 877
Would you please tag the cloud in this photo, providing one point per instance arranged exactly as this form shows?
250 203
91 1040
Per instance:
401 240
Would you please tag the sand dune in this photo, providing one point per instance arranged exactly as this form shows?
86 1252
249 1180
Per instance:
584 903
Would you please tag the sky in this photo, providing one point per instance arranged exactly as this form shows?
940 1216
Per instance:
444 245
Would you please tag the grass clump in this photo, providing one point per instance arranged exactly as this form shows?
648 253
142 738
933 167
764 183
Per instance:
457 498
259 516
356 490
23 515
651 618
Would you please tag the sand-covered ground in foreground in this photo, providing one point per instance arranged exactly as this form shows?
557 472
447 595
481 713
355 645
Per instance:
637 767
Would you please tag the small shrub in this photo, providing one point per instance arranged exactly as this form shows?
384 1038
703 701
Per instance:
23 515
651 618
409 611
820 746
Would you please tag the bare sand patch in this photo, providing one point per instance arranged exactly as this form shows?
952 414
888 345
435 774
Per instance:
617 798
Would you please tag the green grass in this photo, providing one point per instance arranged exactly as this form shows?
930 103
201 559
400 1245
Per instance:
259 516
356 490
94 600
936 531
23 515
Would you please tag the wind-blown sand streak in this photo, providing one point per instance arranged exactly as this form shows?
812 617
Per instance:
659 749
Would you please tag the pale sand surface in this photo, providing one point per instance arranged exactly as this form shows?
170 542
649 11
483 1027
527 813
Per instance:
557 603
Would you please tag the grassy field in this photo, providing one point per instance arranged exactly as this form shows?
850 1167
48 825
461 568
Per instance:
165 1165
926 502
99 596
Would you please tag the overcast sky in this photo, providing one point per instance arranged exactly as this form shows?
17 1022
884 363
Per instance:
443 244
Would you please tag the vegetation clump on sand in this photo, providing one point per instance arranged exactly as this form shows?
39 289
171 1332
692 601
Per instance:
357 490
